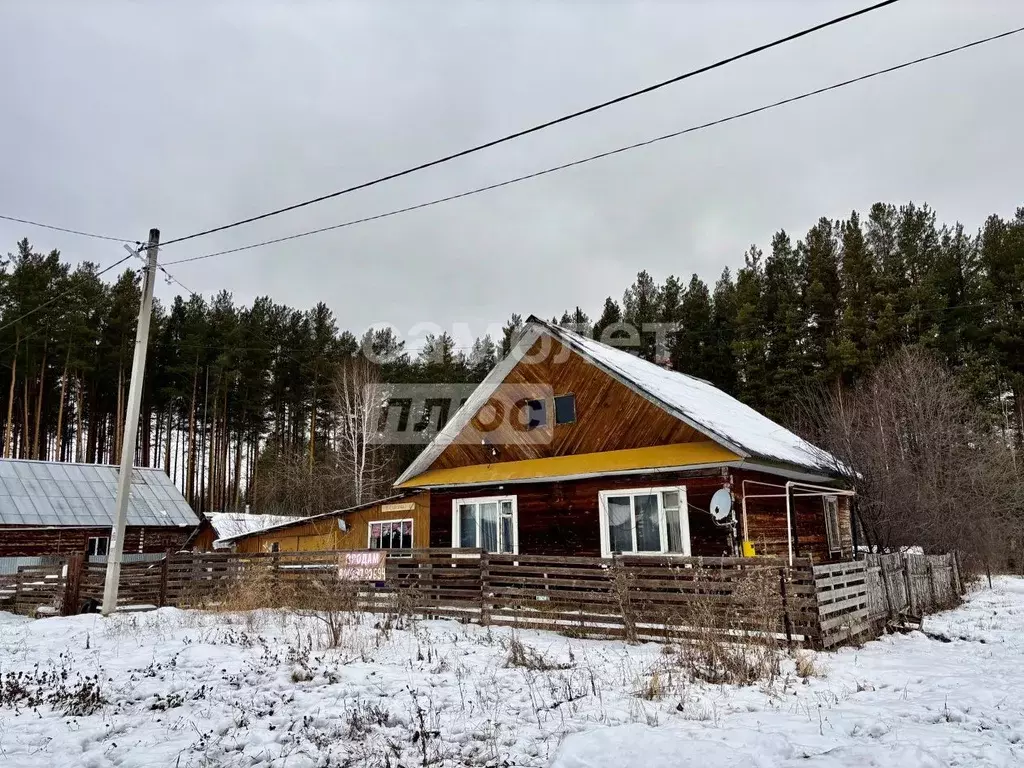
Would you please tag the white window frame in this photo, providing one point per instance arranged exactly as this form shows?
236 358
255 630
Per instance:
412 533
833 538
97 539
684 518
457 524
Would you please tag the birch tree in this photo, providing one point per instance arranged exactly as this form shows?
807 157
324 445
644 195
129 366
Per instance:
365 461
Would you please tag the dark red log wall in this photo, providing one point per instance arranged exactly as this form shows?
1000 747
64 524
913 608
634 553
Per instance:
561 518
19 541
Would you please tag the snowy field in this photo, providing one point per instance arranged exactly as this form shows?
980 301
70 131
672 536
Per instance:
184 688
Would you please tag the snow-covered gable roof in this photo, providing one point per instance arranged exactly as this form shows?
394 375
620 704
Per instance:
227 525
709 410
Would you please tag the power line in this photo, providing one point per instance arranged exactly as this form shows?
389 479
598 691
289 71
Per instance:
547 124
65 229
173 279
609 153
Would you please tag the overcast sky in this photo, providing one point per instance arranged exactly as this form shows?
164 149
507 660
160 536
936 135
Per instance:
117 117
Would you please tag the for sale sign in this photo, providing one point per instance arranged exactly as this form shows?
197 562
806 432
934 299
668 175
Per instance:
361 566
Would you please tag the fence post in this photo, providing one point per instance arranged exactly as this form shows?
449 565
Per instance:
17 589
911 602
787 621
817 640
955 563
890 610
485 612
931 585
73 584
162 599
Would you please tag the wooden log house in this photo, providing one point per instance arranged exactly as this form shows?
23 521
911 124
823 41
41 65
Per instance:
50 508
571 447
398 522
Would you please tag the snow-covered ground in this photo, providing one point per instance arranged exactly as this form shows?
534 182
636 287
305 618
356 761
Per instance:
185 688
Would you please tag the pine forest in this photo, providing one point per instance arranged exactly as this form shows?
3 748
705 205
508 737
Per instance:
240 402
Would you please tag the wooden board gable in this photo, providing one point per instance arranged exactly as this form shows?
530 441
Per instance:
609 415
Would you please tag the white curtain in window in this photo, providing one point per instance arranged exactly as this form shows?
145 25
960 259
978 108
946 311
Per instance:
489 526
648 529
507 534
620 535
670 501
467 525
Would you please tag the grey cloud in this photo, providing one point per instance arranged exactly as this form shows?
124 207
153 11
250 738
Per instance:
123 116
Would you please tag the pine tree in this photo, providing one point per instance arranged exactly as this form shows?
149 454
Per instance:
1001 254
748 344
693 339
607 325
576 321
782 312
918 242
857 296
721 363
641 305
510 333
482 358
820 289
890 299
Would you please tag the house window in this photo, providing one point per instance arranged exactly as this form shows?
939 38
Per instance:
489 523
98 546
565 409
644 521
390 534
275 546
832 523
535 414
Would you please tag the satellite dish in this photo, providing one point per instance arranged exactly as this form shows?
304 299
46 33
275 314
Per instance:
721 506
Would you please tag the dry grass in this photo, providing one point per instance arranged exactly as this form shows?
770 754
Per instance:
255 588
522 655
807 665
730 629
319 595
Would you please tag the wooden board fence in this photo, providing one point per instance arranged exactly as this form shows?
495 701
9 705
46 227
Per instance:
34 590
139 585
650 597
633 597
843 603
904 587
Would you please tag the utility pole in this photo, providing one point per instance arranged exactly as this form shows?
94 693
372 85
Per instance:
131 428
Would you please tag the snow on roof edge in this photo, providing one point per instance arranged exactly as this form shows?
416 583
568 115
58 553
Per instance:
701 404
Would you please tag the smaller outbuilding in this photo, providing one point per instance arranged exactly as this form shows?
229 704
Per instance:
397 522
215 527
57 508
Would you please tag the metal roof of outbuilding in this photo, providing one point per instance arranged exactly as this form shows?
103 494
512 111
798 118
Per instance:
50 493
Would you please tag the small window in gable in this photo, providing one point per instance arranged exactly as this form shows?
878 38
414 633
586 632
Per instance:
565 409
535 414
